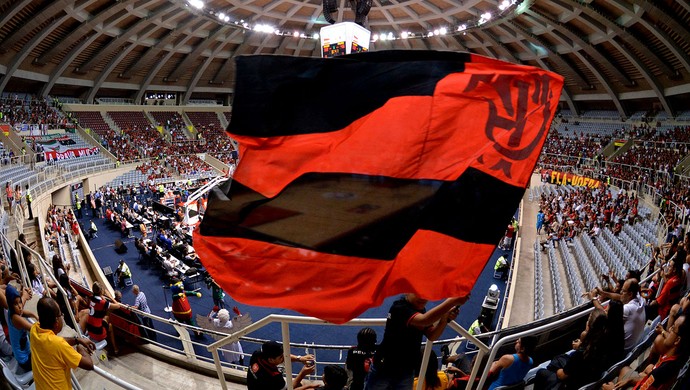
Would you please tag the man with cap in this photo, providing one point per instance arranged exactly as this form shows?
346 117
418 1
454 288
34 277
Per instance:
263 373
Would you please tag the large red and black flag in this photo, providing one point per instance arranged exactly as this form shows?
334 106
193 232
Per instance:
370 175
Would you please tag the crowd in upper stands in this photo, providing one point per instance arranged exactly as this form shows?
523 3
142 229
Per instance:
29 110
586 210
136 137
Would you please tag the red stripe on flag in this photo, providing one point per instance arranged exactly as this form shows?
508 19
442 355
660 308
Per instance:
339 288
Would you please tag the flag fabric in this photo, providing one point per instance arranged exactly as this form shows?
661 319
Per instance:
372 174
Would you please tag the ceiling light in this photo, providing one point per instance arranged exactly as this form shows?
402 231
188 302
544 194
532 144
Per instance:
196 4
442 30
403 35
221 16
316 36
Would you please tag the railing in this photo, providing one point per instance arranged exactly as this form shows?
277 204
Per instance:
188 351
202 102
286 321
111 100
18 217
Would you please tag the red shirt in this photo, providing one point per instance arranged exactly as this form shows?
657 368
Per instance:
95 326
668 296
659 378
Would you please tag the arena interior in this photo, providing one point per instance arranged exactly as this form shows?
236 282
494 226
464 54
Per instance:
114 117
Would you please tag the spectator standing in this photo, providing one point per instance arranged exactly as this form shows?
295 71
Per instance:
10 195
507 241
633 310
29 199
18 194
408 321
670 292
236 354
217 294
360 357
52 356
141 303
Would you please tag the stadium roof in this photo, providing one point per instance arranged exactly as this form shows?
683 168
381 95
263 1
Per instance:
610 50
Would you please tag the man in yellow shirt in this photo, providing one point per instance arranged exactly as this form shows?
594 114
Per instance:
52 356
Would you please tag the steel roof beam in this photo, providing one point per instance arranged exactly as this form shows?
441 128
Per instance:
123 38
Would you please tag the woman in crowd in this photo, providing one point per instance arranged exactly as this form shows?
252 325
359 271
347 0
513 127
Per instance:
38 285
94 320
585 364
433 378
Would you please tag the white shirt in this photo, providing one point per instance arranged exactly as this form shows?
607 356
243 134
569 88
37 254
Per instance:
633 321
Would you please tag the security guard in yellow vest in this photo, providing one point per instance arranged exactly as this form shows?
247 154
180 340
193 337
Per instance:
29 199
77 204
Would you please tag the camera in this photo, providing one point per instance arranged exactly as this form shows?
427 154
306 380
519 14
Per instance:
309 363
208 280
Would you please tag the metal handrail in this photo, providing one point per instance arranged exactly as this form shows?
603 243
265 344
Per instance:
42 264
496 346
286 320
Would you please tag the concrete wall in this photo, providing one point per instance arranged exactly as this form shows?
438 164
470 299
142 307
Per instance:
62 197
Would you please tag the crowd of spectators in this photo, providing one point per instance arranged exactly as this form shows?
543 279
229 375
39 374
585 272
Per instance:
30 111
166 166
658 157
652 160
585 211
645 132
583 145
214 138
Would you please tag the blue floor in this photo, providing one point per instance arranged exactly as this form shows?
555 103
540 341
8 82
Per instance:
153 285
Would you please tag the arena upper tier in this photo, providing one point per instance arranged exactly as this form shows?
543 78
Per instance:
617 55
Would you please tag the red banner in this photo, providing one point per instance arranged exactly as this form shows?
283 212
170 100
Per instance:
70 153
